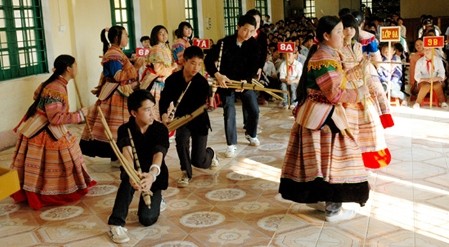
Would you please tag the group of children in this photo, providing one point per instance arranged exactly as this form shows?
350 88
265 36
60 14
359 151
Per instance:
138 98
49 160
426 65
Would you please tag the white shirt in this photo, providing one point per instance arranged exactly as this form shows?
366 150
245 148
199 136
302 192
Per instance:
422 72
294 74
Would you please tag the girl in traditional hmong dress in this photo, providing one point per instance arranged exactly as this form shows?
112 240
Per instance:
184 36
370 44
47 157
117 81
161 65
371 138
323 161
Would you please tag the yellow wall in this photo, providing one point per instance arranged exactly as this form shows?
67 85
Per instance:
168 13
213 19
277 10
86 25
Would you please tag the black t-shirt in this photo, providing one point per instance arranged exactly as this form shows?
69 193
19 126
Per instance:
195 97
154 140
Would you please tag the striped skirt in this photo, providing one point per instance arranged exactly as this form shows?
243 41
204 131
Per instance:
156 90
371 137
115 110
94 141
323 166
51 172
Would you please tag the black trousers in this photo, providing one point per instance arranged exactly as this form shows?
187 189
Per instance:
147 216
199 155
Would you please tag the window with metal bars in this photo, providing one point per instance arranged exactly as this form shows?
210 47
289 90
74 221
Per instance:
232 12
191 13
122 15
309 8
367 3
262 6
22 41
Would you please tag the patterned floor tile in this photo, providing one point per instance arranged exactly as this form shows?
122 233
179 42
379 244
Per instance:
239 205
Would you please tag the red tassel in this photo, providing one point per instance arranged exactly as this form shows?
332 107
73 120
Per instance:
386 120
377 159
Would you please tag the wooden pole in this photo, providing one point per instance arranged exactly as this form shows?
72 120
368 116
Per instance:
145 194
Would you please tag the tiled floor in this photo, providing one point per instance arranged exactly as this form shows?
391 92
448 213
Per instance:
239 205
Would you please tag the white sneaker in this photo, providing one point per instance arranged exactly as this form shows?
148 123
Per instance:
444 105
253 141
118 234
342 215
320 206
230 151
184 180
416 106
215 163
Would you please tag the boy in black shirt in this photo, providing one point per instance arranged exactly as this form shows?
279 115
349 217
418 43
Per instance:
151 142
239 60
194 89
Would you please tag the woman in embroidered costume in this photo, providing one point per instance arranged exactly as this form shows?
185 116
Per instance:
161 65
184 37
371 137
47 156
117 82
323 162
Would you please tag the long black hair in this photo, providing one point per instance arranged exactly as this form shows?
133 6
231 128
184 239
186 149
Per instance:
359 16
325 25
114 37
60 65
350 21
180 31
154 32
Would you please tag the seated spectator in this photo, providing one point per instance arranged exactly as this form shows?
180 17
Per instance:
430 69
145 42
306 44
269 77
289 73
390 74
414 56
